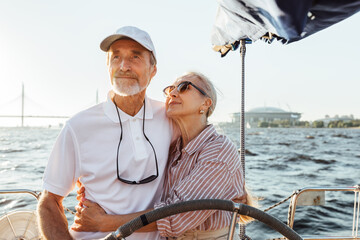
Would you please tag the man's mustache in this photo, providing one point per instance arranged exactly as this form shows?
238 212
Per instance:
120 74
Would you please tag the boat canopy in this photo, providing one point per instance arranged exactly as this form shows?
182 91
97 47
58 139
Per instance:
285 20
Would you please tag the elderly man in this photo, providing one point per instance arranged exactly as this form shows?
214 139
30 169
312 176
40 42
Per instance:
114 148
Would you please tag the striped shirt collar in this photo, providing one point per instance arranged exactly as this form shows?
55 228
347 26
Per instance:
199 140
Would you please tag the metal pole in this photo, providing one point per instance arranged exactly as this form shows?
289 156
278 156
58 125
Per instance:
13 191
22 105
97 96
242 120
233 223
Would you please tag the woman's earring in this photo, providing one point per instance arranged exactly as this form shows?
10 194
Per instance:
201 111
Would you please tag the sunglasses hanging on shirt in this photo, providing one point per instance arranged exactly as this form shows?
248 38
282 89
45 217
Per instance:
143 181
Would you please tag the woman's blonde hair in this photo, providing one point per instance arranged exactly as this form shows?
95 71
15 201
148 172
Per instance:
208 87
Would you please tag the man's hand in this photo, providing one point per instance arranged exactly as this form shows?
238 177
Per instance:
89 215
80 193
89 218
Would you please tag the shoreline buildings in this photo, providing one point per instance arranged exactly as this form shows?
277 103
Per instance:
268 115
327 120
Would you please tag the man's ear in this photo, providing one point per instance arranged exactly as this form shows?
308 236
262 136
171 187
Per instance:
110 75
153 72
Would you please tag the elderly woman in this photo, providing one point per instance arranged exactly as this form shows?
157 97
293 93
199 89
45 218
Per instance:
202 165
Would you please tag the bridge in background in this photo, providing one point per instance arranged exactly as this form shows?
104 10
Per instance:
23 116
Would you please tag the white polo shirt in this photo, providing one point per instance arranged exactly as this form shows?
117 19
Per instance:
86 149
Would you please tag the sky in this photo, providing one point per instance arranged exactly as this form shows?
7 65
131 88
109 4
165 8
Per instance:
52 47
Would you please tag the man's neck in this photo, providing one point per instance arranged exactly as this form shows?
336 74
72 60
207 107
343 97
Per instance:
131 105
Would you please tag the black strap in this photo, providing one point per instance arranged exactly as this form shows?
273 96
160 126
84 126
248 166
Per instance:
144 220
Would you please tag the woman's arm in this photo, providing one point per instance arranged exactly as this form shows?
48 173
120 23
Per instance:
90 217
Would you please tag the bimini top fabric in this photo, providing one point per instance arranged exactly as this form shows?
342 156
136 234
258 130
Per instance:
284 20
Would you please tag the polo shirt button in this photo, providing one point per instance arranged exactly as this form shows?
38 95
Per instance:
134 120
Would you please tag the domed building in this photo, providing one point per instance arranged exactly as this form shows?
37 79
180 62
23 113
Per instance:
256 116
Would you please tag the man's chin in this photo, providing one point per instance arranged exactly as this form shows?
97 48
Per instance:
127 92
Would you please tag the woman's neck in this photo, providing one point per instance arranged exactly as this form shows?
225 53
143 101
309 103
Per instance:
190 128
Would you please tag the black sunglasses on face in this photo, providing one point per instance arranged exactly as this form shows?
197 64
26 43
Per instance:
181 88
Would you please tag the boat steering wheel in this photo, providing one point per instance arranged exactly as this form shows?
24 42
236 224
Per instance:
204 204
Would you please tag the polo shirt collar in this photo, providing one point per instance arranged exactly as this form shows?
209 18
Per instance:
200 139
110 110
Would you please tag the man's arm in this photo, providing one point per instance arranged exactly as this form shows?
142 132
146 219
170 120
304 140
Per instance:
51 217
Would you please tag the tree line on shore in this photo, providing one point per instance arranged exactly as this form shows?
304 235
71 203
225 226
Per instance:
315 124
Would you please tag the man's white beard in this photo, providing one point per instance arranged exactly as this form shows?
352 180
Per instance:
124 89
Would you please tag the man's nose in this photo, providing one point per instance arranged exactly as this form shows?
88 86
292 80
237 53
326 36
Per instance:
124 65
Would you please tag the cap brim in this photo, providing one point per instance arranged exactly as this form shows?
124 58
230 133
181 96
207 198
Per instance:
106 43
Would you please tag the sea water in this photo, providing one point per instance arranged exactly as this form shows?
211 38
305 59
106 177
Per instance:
279 161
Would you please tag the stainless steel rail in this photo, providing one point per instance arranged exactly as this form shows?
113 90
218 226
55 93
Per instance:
35 194
317 201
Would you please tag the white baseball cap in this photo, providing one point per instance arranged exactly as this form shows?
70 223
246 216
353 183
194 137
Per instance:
136 34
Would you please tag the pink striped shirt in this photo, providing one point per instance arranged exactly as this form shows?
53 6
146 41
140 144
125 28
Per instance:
207 168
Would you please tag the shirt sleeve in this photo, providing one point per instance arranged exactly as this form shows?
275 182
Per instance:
211 178
60 173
